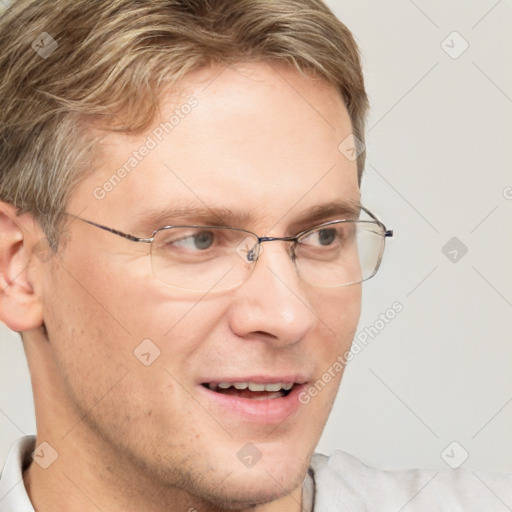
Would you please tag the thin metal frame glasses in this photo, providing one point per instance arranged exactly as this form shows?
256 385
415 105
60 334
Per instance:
197 258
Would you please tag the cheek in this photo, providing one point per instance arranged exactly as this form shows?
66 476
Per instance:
99 332
338 313
88 347
90 340
103 376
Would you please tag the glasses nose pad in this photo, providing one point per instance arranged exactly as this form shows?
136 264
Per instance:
249 250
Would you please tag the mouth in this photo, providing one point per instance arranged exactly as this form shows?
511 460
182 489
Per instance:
255 399
252 390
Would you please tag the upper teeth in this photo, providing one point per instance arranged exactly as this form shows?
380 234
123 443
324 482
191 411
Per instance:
253 386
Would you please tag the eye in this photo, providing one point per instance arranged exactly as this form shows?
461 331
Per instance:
197 241
323 237
326 236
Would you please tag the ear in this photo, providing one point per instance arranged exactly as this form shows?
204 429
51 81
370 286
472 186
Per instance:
20 306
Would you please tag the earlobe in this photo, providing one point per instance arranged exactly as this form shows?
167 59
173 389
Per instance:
20 305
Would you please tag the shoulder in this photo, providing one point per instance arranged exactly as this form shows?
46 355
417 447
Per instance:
342 480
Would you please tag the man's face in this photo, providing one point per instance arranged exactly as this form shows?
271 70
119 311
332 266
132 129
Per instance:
261 143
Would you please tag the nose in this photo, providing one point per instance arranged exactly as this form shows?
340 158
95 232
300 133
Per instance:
273 304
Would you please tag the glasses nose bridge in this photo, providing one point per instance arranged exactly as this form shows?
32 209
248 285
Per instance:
261 239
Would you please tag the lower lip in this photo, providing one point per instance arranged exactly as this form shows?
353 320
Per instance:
271 411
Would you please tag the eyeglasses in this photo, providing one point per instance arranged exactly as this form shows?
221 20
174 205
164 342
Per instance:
199 258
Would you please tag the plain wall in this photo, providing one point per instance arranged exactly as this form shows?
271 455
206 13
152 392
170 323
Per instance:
438 172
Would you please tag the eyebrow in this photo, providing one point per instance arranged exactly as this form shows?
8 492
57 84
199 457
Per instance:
210 216
337 210
213 216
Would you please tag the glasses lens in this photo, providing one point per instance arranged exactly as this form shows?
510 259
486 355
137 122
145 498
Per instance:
340 253
202 258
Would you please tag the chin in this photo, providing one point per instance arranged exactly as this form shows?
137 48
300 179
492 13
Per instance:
251 487
274 475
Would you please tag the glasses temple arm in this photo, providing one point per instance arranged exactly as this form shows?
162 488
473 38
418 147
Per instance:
113 231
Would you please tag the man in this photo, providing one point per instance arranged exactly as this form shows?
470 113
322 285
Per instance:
182 250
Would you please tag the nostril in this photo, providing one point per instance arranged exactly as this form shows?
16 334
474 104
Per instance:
265 334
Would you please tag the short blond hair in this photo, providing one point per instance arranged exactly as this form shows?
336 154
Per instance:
111 61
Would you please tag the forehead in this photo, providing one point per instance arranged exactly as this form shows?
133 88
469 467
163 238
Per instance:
260 140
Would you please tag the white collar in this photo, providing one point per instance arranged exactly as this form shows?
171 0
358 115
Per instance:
13 495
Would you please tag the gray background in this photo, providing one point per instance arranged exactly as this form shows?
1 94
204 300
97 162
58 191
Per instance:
432 388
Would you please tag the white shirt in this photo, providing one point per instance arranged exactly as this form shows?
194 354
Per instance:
340 483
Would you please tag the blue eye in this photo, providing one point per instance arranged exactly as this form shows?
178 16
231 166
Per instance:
199 241
204 240
326 236
323 237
